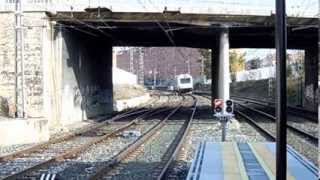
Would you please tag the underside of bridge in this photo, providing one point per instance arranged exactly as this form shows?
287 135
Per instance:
88 38
189 30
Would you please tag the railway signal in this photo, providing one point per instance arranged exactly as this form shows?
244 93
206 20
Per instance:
224 115
218 106
229 107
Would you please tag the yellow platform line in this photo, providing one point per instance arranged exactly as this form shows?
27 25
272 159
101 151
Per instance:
232 169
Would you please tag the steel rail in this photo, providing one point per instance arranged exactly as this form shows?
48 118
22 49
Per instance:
73 152
300 132
271 103
118 158
265 132
63 138
175 147
312 116
311 138
75 134
291 109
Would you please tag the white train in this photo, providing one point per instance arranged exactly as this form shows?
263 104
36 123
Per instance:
183 83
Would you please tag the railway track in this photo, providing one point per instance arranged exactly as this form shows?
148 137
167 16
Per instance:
303 141
175 147
102 122
295 111
23 162
292 110
35 158
301 132
308 130
123 160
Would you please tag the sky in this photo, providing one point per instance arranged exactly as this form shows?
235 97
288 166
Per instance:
264 7
294 7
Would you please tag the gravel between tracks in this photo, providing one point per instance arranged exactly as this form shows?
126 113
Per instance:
5 150
18 164
96 156
296 121
300 144
149 156
205 128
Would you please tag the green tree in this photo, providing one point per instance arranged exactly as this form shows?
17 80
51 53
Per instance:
205 56
237 60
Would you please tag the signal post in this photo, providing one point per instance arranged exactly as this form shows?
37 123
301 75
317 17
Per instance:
223 110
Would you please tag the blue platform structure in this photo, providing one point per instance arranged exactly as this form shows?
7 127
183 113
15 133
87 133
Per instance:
246 161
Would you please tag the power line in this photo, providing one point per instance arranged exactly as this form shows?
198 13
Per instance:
141 66
131 68
164 30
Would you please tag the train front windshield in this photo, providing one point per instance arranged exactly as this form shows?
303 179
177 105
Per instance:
185 80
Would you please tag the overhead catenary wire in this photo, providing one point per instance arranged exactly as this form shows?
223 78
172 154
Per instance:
165 31
171 32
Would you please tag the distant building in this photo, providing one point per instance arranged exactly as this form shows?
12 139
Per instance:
269 60
165 62
253 64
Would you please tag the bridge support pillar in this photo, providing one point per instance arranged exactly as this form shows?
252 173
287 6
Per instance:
85 78
224 68
311 78
220 67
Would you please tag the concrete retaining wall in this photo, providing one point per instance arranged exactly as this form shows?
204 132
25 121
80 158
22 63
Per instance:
22 131
256 74
120 76
120 105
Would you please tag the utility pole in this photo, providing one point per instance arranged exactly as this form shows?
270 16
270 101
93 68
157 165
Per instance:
154 78
202 70
20 109
141 67
281 98
202 67
131 69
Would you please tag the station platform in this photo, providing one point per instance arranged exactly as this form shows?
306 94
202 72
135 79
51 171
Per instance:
246 161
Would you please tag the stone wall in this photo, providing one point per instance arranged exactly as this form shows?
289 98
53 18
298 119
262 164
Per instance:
7 64
33 59
33 26
67 76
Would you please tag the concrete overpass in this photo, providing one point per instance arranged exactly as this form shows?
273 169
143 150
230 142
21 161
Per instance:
68 55
191 30
218 32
